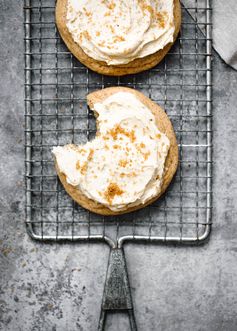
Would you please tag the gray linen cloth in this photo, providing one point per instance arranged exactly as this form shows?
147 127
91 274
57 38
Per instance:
224 18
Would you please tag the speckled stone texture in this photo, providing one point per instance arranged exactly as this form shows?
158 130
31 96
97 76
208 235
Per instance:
59 287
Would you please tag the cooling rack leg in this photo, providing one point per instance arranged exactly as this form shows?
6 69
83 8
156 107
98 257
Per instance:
101 326
117 294
132 320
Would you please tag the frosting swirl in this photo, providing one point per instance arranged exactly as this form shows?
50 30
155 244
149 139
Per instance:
124 165
118 32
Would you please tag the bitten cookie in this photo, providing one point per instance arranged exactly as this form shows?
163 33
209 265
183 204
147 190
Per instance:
132 159
117 37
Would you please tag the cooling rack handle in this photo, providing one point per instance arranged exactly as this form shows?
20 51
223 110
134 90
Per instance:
117 294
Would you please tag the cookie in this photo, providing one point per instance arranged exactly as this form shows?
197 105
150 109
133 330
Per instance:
135 66
163 124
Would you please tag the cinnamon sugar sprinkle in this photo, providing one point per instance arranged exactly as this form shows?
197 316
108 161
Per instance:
88 13
85 34
146 155
117 129
77 149
129 174
112 28
82 168
112 190
147 8
118 39
91 153
111 5
161 18
123 163
78 166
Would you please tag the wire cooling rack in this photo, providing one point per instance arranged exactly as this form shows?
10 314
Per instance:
56 113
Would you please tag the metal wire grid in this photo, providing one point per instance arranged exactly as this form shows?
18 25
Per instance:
56 113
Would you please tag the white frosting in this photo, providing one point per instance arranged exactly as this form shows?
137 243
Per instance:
118 32
123 166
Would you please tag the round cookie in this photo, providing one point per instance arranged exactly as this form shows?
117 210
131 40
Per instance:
164 125
100 67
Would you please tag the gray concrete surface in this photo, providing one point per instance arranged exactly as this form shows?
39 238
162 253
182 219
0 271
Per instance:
59 287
